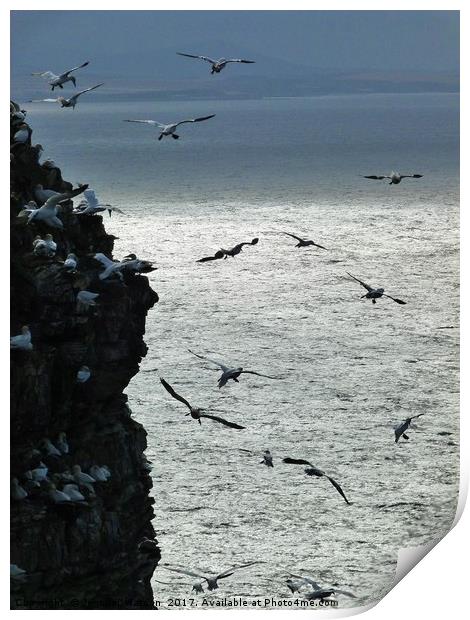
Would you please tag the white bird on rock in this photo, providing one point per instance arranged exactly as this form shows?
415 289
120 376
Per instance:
44 247
169 130
73 492
83 374
49 448
91 205
71 262
58 80
85 299
62 443
16 490
83 479
47 214
22 342
99 473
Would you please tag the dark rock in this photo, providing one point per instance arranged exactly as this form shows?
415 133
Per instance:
84 554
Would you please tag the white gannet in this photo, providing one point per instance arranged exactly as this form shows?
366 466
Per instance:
394 177
16 490
49 448
130 264
211 579
91 205
44 247
23 134
314 471
230 373
71 262
58 80
319 591
47 214
39 473
62 443
195 413
58 497
375 293
169 130
267 459
400 430
23 341
99 473
41 194
85 299
16 572
303 243
72 491
83 374
71 102
83 479
217 65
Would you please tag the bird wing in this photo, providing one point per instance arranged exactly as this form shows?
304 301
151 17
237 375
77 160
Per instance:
345 593
172 392
319 246
149 122
47 75
221 420
411 176
252 372
376 177
416 416
217 255
74 69
40 100
396 300
206 58
296 461
230 570
86 90
240 60
366 286
293 236
104 260
308 580
195 120
91 198
339 489
208 359
184 571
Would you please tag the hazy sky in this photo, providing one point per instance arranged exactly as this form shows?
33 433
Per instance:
141 41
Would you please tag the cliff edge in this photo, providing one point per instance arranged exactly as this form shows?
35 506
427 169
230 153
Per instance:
84 553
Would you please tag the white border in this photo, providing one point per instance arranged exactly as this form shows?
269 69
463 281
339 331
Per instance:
437 586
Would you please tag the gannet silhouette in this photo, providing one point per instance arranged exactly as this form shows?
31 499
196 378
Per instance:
401 429
211 579
311 470
375 293
303 243
394 177
195 413
230 373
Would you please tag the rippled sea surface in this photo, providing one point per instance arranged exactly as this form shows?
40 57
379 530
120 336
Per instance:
351 370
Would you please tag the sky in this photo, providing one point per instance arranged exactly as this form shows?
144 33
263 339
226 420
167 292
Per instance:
145 41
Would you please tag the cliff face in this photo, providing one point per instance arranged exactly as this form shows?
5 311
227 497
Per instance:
81 554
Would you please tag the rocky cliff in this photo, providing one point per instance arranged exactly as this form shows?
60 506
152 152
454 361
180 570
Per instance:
83 553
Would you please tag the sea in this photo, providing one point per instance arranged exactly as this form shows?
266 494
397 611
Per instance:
348 371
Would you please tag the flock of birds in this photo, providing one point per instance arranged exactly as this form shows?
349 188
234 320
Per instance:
45 209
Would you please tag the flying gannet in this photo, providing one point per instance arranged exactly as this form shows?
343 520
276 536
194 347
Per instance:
303 243
400 430
211 579
217 65
91 205
394 177
230 373
58 80
375 293
195 413
71 102
47 214
169 130
319 592
310 470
